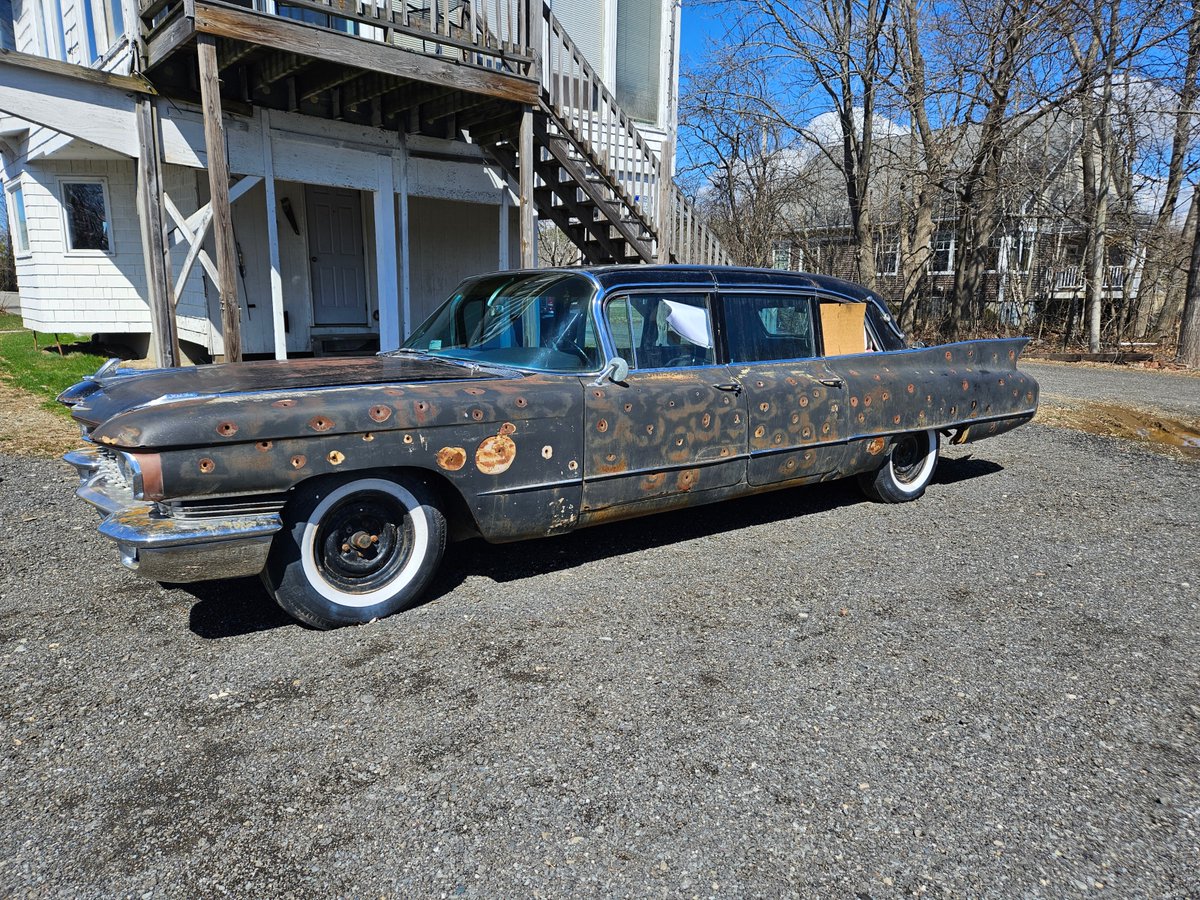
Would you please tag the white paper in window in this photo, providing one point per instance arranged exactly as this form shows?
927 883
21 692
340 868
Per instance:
690 323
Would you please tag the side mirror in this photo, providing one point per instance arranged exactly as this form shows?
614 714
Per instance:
615 370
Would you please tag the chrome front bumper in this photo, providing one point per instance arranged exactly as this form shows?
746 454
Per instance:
169 548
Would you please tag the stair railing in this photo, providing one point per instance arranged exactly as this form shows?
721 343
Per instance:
583 105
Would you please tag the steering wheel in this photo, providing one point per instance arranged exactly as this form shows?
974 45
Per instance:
683 359
566 345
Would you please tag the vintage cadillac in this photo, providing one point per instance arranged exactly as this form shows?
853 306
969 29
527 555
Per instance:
530 404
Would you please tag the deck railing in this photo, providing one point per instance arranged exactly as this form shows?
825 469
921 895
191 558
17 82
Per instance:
586 108
490 34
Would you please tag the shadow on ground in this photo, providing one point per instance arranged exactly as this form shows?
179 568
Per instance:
242 606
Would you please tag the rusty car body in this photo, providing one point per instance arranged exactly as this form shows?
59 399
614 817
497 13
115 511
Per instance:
532 403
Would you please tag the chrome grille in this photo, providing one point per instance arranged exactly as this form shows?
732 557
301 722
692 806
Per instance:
223 507
110 466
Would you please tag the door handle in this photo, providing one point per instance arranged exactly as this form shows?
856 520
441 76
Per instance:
732 387
832 382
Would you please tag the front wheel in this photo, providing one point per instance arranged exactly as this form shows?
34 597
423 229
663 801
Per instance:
908 470
354 549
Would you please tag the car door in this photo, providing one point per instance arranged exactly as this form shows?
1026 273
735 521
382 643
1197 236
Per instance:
795 405
675 425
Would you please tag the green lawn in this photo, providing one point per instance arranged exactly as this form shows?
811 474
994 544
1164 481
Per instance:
40 370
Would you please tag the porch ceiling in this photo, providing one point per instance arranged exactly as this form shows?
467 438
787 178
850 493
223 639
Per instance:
278 63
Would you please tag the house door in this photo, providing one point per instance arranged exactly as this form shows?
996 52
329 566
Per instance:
336 259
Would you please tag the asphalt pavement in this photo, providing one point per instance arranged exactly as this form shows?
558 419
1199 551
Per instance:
991 692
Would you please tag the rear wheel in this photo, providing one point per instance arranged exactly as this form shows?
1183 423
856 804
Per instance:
908 470
355 549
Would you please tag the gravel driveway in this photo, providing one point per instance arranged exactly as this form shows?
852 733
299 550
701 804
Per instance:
992 692
1138 389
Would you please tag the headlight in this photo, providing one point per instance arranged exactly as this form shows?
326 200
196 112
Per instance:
143 471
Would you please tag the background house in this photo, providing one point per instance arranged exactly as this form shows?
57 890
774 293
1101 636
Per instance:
376 155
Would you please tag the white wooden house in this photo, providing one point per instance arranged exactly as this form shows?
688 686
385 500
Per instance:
255 177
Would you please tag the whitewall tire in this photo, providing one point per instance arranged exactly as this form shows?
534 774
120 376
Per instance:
911 461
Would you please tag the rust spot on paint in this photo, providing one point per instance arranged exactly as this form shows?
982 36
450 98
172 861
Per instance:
912 388
522 402
394 392
320 423
1012 354
806 433
778 437
885 396
477 415
602 425
408 439
508 428
804 401
207 465
298 462
227 429
368 437
825 428
283 404
381 413
452 458
861 417
572 465
854 401
264 446
790 464
706 420
966 385
597 394
949 356
895 420
791 380
875 446
759 431
795 418
687 479
496 454
474 392
628 407
547 452
763 407
336 457
649 429
1001 382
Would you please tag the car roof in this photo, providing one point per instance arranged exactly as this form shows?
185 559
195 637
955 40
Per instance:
720 277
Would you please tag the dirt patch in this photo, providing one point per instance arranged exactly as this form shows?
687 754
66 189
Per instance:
1160 432
30 430
1167 368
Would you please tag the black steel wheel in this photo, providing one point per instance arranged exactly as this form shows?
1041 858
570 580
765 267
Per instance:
907 471
355 548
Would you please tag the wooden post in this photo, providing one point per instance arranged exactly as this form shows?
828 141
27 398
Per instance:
277 318
525 167
504 261
164 338
218 187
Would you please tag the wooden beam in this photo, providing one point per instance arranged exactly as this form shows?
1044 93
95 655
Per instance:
329 46
164 338
165 42
218 186
133 83
526 163
325 81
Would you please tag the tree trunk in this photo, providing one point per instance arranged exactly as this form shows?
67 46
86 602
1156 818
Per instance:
1189 331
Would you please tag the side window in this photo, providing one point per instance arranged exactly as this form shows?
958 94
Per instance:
87 219
661 331
765 327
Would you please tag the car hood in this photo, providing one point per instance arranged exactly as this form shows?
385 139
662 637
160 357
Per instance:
153 408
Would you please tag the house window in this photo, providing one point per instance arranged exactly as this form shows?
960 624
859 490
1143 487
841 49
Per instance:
887 257
639 57
942 260
781 255
89 226
20 229
1023 255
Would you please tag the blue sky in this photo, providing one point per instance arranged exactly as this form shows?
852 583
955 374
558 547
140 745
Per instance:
698 24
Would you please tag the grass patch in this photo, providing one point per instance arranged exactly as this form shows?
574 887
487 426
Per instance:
10 322
41 371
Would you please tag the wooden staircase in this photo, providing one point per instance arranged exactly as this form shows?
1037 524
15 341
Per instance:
595 175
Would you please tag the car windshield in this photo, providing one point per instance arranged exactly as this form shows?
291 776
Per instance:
540 321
